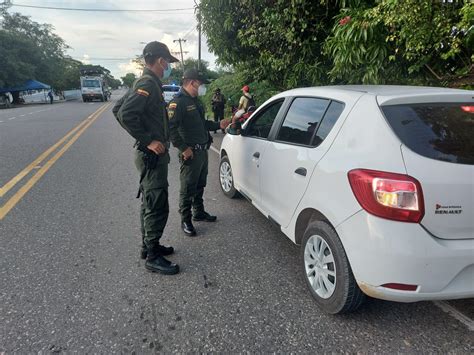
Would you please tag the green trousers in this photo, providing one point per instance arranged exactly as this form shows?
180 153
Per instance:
193 178
154 209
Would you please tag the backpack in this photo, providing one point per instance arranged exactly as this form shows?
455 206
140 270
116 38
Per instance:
250 102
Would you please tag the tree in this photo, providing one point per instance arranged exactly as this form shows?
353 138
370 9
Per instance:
18 56
69 77
408 41
279 40
29 50
128 79
44 50
313 42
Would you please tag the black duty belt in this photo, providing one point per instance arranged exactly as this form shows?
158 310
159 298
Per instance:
198 147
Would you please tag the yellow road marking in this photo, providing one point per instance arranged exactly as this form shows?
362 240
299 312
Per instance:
34 179
9 185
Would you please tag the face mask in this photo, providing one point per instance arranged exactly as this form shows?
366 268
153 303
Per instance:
202 90
167 71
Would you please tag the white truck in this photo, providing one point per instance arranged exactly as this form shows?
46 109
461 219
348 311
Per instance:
93 85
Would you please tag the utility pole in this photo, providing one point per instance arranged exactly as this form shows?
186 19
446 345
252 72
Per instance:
179 53
180 40
198 14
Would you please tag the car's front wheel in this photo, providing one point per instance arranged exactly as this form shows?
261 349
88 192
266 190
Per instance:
226 178
327 271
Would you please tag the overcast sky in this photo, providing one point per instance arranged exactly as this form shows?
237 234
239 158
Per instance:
97 37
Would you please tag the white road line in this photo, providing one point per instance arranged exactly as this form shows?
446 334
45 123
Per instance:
11 118
214 149
1 121
468 322
22 115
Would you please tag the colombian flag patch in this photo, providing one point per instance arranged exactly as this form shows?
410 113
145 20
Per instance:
173 105
143 92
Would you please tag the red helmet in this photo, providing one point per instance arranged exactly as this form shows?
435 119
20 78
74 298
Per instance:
246 88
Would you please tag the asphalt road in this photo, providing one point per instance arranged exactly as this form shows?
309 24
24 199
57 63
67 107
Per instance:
71 278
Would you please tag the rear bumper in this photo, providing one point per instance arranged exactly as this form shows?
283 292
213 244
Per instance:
92 96
382 251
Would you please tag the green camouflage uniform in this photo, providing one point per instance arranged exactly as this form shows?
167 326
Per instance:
189 128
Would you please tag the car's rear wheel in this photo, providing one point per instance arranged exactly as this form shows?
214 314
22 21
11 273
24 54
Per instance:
327 271
226 178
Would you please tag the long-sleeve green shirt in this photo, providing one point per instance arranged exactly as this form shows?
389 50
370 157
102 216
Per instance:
143 111
188 125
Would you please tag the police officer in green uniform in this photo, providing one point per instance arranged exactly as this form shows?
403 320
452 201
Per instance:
189 131
143 114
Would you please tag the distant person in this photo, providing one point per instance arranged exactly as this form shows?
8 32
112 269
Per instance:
246 100
218 105
9 97
51 96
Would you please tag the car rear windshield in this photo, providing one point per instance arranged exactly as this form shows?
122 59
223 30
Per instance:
441 131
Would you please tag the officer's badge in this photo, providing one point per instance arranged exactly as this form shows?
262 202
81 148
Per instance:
170 114
143 92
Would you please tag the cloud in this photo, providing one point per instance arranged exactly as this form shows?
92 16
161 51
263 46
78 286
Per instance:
129 67
85 59
118 34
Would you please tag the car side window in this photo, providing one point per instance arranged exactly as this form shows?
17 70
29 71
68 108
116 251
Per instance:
302 120
261 124
330 118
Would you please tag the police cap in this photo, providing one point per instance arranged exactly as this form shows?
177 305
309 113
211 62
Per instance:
194 74
158 49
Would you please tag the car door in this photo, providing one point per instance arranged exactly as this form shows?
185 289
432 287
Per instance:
253 142
291 157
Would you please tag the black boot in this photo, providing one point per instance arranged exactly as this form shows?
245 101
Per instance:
204 216
161 265
163 250
143 252
188 228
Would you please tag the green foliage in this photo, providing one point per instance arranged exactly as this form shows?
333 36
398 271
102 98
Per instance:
295 43
128 79
231 87
18 56
408 41
30 50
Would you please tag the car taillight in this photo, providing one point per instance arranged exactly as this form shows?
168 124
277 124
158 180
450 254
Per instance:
468 108
388 195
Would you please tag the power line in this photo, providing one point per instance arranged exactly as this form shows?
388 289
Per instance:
93 58
189 31
100 10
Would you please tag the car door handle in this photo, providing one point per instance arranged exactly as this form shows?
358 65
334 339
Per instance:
301 171
256 155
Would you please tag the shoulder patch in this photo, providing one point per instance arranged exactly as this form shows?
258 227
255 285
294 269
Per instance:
173 105
143 92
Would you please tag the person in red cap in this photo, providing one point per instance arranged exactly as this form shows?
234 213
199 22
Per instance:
246 100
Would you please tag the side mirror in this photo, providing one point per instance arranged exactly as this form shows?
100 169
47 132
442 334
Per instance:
234 131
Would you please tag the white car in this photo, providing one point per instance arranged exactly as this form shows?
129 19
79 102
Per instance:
376 183
169 91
